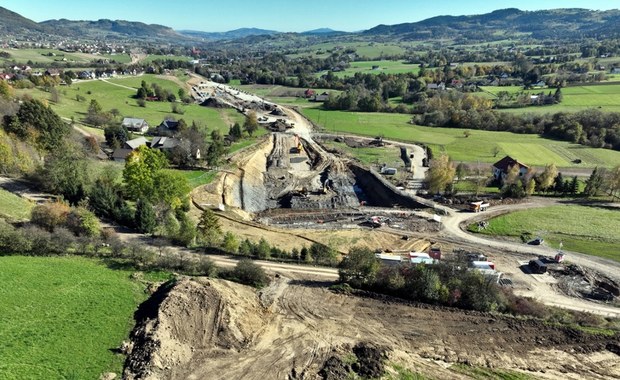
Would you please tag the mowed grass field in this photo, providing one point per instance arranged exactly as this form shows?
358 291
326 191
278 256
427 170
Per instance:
605 97
528 148
588 229
61 316
119 93
369 50
385 67
14 207
39 56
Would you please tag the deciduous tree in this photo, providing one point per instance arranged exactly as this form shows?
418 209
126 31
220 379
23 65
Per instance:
440 174
359 268
141 168
251 123
547 178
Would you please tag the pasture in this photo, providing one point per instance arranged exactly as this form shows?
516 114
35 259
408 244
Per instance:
528 148
119 94
376 67
365 49
63 316
565 223
197 178
605 97
47 56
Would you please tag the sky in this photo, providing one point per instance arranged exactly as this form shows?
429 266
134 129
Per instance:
280 15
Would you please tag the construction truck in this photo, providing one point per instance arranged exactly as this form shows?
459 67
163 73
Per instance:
478 206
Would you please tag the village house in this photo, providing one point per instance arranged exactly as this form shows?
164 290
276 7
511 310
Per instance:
135 125
168 127
435 86
129 146
503 166
164 143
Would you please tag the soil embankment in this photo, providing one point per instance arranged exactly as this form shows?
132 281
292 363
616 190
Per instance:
213 329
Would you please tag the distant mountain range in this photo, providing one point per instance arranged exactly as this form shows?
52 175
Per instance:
12 23
500 24
553 23
230 35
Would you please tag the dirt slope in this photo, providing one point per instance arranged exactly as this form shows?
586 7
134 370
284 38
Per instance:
212 329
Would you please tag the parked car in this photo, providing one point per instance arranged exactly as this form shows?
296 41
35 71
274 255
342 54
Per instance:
537 241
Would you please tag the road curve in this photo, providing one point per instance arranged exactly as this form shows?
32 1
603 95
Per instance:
455 223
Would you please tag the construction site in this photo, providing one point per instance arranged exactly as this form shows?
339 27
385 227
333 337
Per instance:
291 191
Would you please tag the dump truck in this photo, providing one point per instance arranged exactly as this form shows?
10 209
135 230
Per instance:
478 206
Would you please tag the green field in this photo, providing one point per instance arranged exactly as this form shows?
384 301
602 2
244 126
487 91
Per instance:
588 229
528 148
605 97
152 57
368 50
197 178
61 317
114 94
14 207
385 67
40 56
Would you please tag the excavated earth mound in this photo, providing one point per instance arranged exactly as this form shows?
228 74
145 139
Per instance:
214 329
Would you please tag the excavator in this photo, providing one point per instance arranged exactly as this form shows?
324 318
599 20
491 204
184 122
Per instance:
298 148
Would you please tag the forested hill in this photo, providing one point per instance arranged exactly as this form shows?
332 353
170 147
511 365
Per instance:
14 23
510 23
111 28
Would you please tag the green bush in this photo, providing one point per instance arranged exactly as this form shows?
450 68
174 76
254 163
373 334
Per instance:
249 273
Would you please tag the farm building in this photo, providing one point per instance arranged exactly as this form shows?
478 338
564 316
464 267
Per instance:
502 167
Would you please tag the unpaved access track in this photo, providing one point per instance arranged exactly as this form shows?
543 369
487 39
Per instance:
214 329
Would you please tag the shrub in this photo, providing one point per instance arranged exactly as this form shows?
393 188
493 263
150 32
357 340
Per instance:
323 254
83 222
50 215
249 273
230 244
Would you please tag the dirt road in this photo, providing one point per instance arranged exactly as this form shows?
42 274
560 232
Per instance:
288 330
455 223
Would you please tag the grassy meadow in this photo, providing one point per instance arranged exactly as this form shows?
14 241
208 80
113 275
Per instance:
605 97
14 207
41 56
119 93
384 67
366 49
528 148
582 228
197 178
61 316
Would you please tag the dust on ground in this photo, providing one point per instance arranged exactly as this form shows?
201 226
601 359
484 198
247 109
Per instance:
213 329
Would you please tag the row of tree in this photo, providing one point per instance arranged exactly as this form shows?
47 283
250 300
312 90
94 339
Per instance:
453 109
